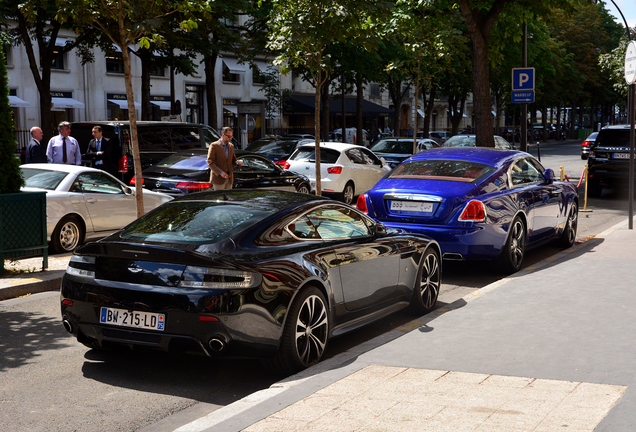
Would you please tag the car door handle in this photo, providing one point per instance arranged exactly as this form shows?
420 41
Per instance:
91 200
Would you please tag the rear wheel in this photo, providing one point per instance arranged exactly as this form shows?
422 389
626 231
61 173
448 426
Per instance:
303 188
428 283
67 235
569 231
512 254
348 193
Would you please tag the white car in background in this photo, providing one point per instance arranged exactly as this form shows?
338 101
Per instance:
346 170
84 203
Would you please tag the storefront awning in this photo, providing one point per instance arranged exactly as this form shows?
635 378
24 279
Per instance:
304 105
123 103
163 105
263 66
231 108
233 65
16 102
66 103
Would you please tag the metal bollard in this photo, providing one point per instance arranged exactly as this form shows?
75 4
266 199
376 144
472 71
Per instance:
561 174
538 151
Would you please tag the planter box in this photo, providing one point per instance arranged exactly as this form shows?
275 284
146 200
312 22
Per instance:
23 226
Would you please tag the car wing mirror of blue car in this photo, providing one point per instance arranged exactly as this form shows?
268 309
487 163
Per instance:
549 175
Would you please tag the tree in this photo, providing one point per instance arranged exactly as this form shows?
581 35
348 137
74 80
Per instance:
10 173
125 24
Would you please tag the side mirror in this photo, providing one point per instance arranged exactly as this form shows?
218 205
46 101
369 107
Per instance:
383 161
129 191
549 175
380 230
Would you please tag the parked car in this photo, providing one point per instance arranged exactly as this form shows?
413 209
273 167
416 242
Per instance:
346 170
440 136
478 203
264 274
278 149
188 171
470 141
156 140
83 203
608 162
588 144
395 150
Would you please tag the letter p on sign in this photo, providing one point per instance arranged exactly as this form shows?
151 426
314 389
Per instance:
523 79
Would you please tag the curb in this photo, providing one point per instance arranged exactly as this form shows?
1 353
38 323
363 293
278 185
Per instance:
19 287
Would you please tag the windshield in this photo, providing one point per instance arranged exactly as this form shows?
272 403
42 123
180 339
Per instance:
42 179
393 146
308 154
440 169
185 162
194 222
460 141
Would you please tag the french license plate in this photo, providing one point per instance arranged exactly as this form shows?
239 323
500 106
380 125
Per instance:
126 318
621 156
412 206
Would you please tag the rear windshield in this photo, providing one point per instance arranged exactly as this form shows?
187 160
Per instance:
612 138
460 141
185 162
42 179
439 169
275 147
195 222
308 154
393 146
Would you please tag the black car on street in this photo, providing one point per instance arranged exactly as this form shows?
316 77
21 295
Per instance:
608 161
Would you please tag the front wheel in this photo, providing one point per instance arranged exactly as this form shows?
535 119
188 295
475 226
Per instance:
306 333
569 231
348 193
427 284
512 254
67 235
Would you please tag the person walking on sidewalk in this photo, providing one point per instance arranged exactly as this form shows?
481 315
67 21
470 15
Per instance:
222 160
34 151
63 148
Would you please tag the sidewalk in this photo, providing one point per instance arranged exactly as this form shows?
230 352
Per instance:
24 277
549 349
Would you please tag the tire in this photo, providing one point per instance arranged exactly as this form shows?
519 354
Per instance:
67 235
511 256
428 283
305 335
304 188
347 194
569 231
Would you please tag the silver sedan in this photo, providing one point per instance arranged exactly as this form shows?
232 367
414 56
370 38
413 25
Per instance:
84 203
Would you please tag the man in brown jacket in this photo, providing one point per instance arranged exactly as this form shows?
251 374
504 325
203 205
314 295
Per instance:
222 160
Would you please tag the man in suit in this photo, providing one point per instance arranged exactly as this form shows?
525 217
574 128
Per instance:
100 151
35 152
222 160
63 148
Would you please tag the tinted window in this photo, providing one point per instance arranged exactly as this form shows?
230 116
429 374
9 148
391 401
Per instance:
308 154
336 222
460 141
193 222
154 139
185 162
211 136
612 138
184 138
97 183
369 157
303 229
393 146
439 169
258 163
523 172
43 179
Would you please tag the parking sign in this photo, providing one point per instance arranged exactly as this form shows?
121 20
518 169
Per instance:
522 79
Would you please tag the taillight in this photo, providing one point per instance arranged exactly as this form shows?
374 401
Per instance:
334 170
133 181
361 204
213 278
475 211
283 163
585 143
81 265
123 164
193 185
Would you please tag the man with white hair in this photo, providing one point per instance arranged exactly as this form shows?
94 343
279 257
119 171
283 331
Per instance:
34 151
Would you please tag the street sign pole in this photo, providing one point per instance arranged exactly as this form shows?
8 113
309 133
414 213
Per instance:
523 141
630 79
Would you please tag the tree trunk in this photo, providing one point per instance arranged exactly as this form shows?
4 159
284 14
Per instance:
210 87
359 103
324 108
145 56
318 82
428 111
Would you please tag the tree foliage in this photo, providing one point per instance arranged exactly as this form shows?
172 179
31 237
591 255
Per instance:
10 173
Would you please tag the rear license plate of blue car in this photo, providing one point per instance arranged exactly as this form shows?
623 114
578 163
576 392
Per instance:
412 206
136 319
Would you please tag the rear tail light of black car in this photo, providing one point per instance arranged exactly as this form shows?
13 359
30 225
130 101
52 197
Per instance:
133 181
123 164
193 186
81 265
215 278
475 211
361 204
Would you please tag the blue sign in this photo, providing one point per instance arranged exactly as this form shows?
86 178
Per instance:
523 96
523 79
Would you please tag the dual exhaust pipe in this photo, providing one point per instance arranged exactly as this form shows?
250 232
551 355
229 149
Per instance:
67 325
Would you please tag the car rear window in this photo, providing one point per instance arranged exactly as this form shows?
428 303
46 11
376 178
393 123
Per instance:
612 138
42 179
194 222
439 169
274 147
308 154
393 146
186 162
460 141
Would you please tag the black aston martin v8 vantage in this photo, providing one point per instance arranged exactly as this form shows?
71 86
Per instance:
268 274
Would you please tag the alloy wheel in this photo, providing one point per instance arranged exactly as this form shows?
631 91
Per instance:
312 327
430 281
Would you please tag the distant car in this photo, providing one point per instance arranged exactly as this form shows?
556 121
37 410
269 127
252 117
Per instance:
84 203
395 150
278 149
440 136
608 162
470 140
587 145
346 170
478 203
266 274
188 171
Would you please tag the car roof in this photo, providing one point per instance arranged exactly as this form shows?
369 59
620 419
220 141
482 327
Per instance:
485 155
275 200
333 145
623 126
61 167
